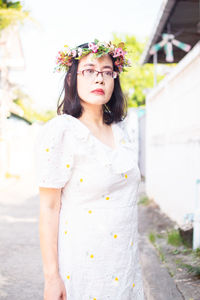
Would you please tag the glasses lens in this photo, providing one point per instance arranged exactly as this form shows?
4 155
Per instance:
88 73
108 74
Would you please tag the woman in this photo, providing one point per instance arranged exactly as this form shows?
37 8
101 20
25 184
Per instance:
88 182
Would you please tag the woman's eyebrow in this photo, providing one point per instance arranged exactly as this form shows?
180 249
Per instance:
92 65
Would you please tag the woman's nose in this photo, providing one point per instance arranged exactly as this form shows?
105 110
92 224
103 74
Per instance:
99 78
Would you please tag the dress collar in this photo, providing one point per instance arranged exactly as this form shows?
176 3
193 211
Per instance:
78 128
122 158
83 131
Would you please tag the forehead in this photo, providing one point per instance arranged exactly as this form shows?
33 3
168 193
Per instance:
102 61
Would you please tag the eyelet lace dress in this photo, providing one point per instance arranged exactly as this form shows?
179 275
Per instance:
98 229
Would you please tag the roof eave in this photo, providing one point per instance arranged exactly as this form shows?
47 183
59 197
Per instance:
161 20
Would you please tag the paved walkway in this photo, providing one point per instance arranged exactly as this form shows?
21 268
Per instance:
20 261
159 285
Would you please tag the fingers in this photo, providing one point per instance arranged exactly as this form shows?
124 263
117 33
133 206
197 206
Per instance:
64 296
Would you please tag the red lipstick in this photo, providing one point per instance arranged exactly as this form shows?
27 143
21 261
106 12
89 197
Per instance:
98 92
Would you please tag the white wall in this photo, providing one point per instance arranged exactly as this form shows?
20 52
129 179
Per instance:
173 138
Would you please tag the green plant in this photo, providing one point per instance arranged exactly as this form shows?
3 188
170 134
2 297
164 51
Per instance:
161 254
174 238
160 236
191 269
175 251
11 13
139 78
144 200
152 237
197 252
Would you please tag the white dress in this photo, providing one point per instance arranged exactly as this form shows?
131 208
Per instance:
98 232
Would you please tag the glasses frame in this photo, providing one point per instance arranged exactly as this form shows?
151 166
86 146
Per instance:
115 74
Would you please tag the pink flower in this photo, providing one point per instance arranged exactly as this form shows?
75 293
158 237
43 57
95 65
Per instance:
93 47
119 52
74 53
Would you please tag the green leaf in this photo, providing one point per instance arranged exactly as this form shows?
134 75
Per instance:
96 41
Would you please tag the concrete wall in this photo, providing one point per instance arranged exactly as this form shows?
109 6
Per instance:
173 138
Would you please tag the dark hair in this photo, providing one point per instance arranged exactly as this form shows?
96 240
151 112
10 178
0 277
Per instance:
117 105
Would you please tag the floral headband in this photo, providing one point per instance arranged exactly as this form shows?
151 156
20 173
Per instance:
65 57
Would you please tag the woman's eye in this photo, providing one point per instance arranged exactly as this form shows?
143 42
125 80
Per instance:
89 71
108 73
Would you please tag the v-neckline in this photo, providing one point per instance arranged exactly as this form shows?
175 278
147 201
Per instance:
98 140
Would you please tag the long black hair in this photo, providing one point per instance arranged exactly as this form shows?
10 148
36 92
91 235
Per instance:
115 109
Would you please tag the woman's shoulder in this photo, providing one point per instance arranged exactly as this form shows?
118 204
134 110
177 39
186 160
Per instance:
55 128
59 121
129 126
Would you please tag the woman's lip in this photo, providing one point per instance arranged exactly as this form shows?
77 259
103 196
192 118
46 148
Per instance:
98 91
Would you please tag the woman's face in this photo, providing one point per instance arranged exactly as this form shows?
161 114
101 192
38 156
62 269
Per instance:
86 86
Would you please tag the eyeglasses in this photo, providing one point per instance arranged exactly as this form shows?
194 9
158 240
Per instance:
91 74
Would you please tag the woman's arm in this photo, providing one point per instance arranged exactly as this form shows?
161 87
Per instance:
48 229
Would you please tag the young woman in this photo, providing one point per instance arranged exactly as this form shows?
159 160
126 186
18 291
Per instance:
88 179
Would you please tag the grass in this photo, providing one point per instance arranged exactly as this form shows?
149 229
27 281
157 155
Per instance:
191 269
144 201
161 254
176 251
160 236
152 237
197 252
174 238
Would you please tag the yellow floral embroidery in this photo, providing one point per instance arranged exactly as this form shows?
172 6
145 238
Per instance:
68 277
94 298
67 166
115 236
47 150
66 232
89 211
91 256
107 198
131 243
133 284
125 175
116 278
81 179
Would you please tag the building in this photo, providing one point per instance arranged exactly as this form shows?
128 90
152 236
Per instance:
172 117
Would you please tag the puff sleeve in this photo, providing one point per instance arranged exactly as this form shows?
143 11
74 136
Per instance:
54 154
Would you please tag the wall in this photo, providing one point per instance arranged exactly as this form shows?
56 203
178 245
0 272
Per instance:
173 138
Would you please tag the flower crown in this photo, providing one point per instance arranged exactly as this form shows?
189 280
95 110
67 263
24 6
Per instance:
65 57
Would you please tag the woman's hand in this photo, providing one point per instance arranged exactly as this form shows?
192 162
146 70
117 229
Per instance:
54 289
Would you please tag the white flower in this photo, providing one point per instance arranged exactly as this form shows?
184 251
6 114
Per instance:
68 51
112 47
80 51
105 44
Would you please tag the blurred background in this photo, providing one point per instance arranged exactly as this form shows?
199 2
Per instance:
163 91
